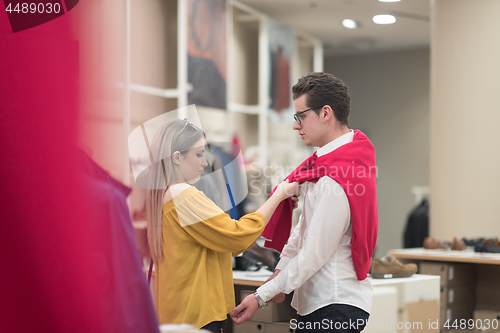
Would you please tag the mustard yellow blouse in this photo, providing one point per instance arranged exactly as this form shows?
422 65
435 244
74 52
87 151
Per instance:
194 282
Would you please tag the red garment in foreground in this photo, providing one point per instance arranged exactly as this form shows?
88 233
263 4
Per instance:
352 165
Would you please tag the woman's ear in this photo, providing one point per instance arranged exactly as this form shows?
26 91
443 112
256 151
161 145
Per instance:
176 158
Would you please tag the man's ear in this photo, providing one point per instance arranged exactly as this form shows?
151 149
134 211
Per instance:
327 112
176 158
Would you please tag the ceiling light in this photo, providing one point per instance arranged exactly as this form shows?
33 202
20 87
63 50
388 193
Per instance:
350 24
384 19
389 0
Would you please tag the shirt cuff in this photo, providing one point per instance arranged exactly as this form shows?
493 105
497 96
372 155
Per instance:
267 291
283 263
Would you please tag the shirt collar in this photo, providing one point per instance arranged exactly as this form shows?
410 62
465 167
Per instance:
334 144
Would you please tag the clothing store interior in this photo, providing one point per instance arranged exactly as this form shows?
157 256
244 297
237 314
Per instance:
88 94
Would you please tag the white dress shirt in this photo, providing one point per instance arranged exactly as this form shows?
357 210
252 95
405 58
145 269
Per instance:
317 261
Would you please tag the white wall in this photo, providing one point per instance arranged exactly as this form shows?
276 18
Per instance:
465 106
390 104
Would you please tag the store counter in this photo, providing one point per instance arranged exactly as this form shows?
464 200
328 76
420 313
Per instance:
393 300
447 256
469 282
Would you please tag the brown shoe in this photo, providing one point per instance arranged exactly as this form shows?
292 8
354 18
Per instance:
458 244
432 243
390 267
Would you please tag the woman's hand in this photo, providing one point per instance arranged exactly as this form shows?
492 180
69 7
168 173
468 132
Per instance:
283 191
286 190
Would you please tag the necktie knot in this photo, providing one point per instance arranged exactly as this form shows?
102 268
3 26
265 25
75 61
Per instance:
312 161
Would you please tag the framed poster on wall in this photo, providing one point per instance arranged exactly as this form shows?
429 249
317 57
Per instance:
281 46
207 44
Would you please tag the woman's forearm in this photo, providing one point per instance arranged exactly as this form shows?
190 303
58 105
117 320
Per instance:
268 208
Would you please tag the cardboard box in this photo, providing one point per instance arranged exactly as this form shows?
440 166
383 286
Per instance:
423 316
487 321
451 274
281 312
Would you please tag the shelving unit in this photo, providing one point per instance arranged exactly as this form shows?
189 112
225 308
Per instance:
155 78
243 106
479 272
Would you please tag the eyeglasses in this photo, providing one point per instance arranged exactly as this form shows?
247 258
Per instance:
188 123
296 115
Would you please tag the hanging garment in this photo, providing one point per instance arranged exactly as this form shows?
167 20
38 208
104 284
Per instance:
125 304
417 226
213 184
234 182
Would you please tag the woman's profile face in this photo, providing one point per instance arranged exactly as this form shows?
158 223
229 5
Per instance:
193 162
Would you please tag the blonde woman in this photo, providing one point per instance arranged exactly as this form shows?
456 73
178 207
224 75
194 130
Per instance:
190 238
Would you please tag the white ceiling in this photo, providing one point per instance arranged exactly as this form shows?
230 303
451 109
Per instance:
323 19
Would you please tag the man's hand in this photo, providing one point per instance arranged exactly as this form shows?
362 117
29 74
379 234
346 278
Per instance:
281 296
245 310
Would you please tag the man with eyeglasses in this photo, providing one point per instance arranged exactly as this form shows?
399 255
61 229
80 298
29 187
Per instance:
328 255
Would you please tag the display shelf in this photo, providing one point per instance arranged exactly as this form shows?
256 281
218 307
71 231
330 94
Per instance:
485 265
305 56
447 255
257 278
244 122
147 106
154 37
244 61
242 108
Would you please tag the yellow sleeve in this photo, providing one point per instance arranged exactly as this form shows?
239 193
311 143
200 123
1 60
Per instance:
209 226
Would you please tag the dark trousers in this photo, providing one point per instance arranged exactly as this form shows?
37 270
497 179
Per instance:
333 318
215 326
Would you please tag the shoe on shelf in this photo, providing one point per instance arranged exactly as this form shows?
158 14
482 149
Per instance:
488 245
390 267
432 243
492 241
473 242
458 244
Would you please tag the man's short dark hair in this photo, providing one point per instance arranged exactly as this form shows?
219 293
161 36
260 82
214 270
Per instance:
325 89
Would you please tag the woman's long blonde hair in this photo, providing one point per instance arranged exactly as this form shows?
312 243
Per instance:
176 135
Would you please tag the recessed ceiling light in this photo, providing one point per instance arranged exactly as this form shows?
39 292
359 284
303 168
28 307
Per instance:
350 24
384 19
389 0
